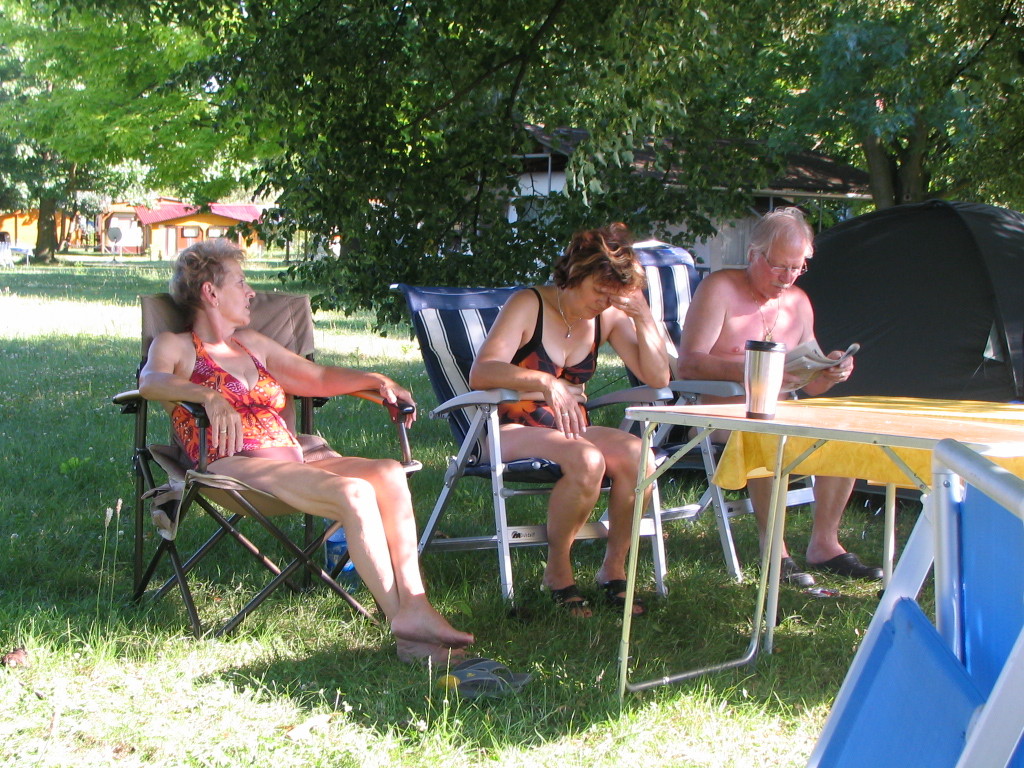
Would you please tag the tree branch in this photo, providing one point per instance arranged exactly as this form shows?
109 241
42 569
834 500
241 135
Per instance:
522 56
958 73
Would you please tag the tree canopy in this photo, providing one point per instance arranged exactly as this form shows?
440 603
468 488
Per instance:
110 107
401 129
398 129
926 97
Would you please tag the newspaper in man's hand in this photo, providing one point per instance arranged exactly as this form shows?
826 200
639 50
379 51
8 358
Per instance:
807 360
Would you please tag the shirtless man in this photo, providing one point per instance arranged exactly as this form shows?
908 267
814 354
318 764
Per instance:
762 302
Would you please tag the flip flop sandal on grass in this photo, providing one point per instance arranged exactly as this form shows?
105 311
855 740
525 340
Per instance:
482 677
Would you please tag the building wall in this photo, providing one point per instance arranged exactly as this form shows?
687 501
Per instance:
169 237
23 227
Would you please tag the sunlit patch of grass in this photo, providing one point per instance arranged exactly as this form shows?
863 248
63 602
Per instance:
304 683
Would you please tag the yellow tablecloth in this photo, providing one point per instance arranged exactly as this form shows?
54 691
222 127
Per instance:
750 455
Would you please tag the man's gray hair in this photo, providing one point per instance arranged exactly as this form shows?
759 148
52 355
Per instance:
776 223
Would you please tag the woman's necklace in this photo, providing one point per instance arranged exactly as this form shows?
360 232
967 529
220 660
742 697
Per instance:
764 323
568 325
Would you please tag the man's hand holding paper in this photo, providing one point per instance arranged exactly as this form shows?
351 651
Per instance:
806 362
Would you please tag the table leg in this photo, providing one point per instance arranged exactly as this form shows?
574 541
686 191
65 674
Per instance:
774 533
634 546
889 543
631 565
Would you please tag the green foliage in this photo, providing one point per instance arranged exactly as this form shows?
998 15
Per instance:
106 104
396 131
928 94
401 131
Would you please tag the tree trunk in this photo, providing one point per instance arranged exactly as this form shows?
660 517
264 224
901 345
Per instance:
46 240
882 181
912 176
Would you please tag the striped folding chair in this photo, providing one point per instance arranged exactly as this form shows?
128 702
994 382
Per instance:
450 325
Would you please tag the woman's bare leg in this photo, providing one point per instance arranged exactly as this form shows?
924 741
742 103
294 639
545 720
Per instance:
573 496
621 452
412 616
372 528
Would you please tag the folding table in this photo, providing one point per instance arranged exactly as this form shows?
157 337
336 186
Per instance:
886 440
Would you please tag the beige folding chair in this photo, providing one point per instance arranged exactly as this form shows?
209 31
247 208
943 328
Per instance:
288 319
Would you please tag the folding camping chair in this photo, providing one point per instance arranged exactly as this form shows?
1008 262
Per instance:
671 279
288 319
945 693
450 325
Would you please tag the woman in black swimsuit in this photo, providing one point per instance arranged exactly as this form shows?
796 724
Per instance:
544 345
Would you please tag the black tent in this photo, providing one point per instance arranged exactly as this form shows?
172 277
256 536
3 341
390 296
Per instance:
934 293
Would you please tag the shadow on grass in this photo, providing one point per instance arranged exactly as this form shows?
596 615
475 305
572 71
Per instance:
574 662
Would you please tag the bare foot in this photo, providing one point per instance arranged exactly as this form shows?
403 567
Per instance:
420 622
413 652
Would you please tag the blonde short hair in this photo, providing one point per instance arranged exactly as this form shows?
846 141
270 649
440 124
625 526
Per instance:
203 262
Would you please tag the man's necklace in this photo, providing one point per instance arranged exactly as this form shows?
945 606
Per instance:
764 323
568 325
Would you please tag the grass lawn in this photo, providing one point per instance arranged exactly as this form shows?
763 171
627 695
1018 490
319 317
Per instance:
303 683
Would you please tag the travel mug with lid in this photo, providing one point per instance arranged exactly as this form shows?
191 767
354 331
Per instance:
763 365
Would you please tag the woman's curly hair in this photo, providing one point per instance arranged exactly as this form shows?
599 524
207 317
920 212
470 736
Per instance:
606 254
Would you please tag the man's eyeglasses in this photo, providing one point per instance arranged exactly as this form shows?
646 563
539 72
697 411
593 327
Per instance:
781 271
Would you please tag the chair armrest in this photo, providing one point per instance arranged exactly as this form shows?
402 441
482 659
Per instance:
475 398
697 387
130 400
633 396
399 412
198 412
125 398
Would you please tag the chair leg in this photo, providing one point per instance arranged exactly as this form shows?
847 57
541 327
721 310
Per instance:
186 593
143 482
658 543
142 581
454 473
302 559
228 526
500 513
193 560
439 507
721 509
310 533
504 546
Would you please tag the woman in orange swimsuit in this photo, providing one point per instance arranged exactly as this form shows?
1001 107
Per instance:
241 377
544 345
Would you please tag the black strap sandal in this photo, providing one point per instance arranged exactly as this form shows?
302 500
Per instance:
614 590
571 600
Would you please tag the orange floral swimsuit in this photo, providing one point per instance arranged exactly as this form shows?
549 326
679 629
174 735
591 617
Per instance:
533 356
260 407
